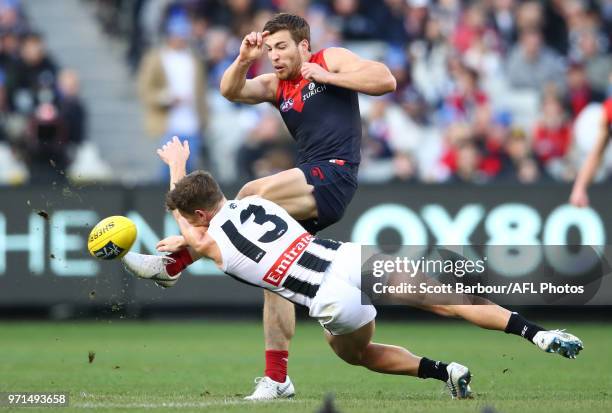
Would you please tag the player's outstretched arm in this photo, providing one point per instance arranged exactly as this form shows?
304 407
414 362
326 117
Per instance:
175 155
579 195
349 71
234 84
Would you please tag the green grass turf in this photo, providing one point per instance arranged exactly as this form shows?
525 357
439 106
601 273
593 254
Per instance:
209 366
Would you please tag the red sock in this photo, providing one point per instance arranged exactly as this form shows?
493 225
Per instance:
182 259
276 365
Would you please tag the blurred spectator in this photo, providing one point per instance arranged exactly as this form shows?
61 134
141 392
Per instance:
268 148
404 168
503 20
468 102
11 17
555 25
54 131
529 16
217 58
429 64
552 137
518 164
172 85
32 79
46 148
579 91
375 141
468 160
390 20
472 28
597 63
9 50
416 17
531 64
351 22
71 108
414 137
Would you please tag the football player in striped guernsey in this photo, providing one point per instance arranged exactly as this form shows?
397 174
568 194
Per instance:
257 242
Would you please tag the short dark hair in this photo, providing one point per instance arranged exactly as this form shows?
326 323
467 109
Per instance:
198 190
296 25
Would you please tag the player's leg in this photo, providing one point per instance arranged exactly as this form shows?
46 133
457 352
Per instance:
486 314
289 189
494 317
279 327
356 348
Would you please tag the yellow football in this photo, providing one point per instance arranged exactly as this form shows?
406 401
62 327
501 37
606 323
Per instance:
112 238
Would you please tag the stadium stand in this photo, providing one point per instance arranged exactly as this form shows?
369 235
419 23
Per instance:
488 91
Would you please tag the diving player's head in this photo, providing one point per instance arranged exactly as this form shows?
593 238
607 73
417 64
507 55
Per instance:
288 44
197 197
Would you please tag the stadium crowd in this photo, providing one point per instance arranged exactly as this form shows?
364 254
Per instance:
42 118
488 90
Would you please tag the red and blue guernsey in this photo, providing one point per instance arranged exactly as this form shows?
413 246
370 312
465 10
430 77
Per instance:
323 119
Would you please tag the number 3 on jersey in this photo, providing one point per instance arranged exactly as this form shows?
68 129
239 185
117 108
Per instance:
242 244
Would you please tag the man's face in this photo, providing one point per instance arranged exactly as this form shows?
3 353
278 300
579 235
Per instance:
284 54
33 51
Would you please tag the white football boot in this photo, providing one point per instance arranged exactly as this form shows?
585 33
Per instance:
558 341
458 382
151 267
268 389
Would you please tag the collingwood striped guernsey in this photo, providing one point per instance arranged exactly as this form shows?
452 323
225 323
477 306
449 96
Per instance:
262 245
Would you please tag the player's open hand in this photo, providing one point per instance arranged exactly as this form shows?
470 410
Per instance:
314 72
252 46
171 244
174 152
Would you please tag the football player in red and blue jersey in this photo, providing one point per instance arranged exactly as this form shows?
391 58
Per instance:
316 94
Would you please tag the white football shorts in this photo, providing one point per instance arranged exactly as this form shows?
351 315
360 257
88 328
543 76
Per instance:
337 305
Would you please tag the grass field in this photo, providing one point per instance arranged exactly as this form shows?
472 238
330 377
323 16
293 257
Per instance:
206 366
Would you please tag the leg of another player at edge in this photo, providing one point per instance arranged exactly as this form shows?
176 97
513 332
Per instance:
356 348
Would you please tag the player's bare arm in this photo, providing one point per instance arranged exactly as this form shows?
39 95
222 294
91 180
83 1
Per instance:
234 84
349 71
175 155
579 196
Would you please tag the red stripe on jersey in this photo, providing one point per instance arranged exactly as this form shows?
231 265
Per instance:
279 269
608 111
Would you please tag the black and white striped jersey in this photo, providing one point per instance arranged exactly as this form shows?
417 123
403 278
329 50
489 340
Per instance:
262 245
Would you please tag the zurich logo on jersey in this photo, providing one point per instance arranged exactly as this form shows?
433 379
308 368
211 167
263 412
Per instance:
286 105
